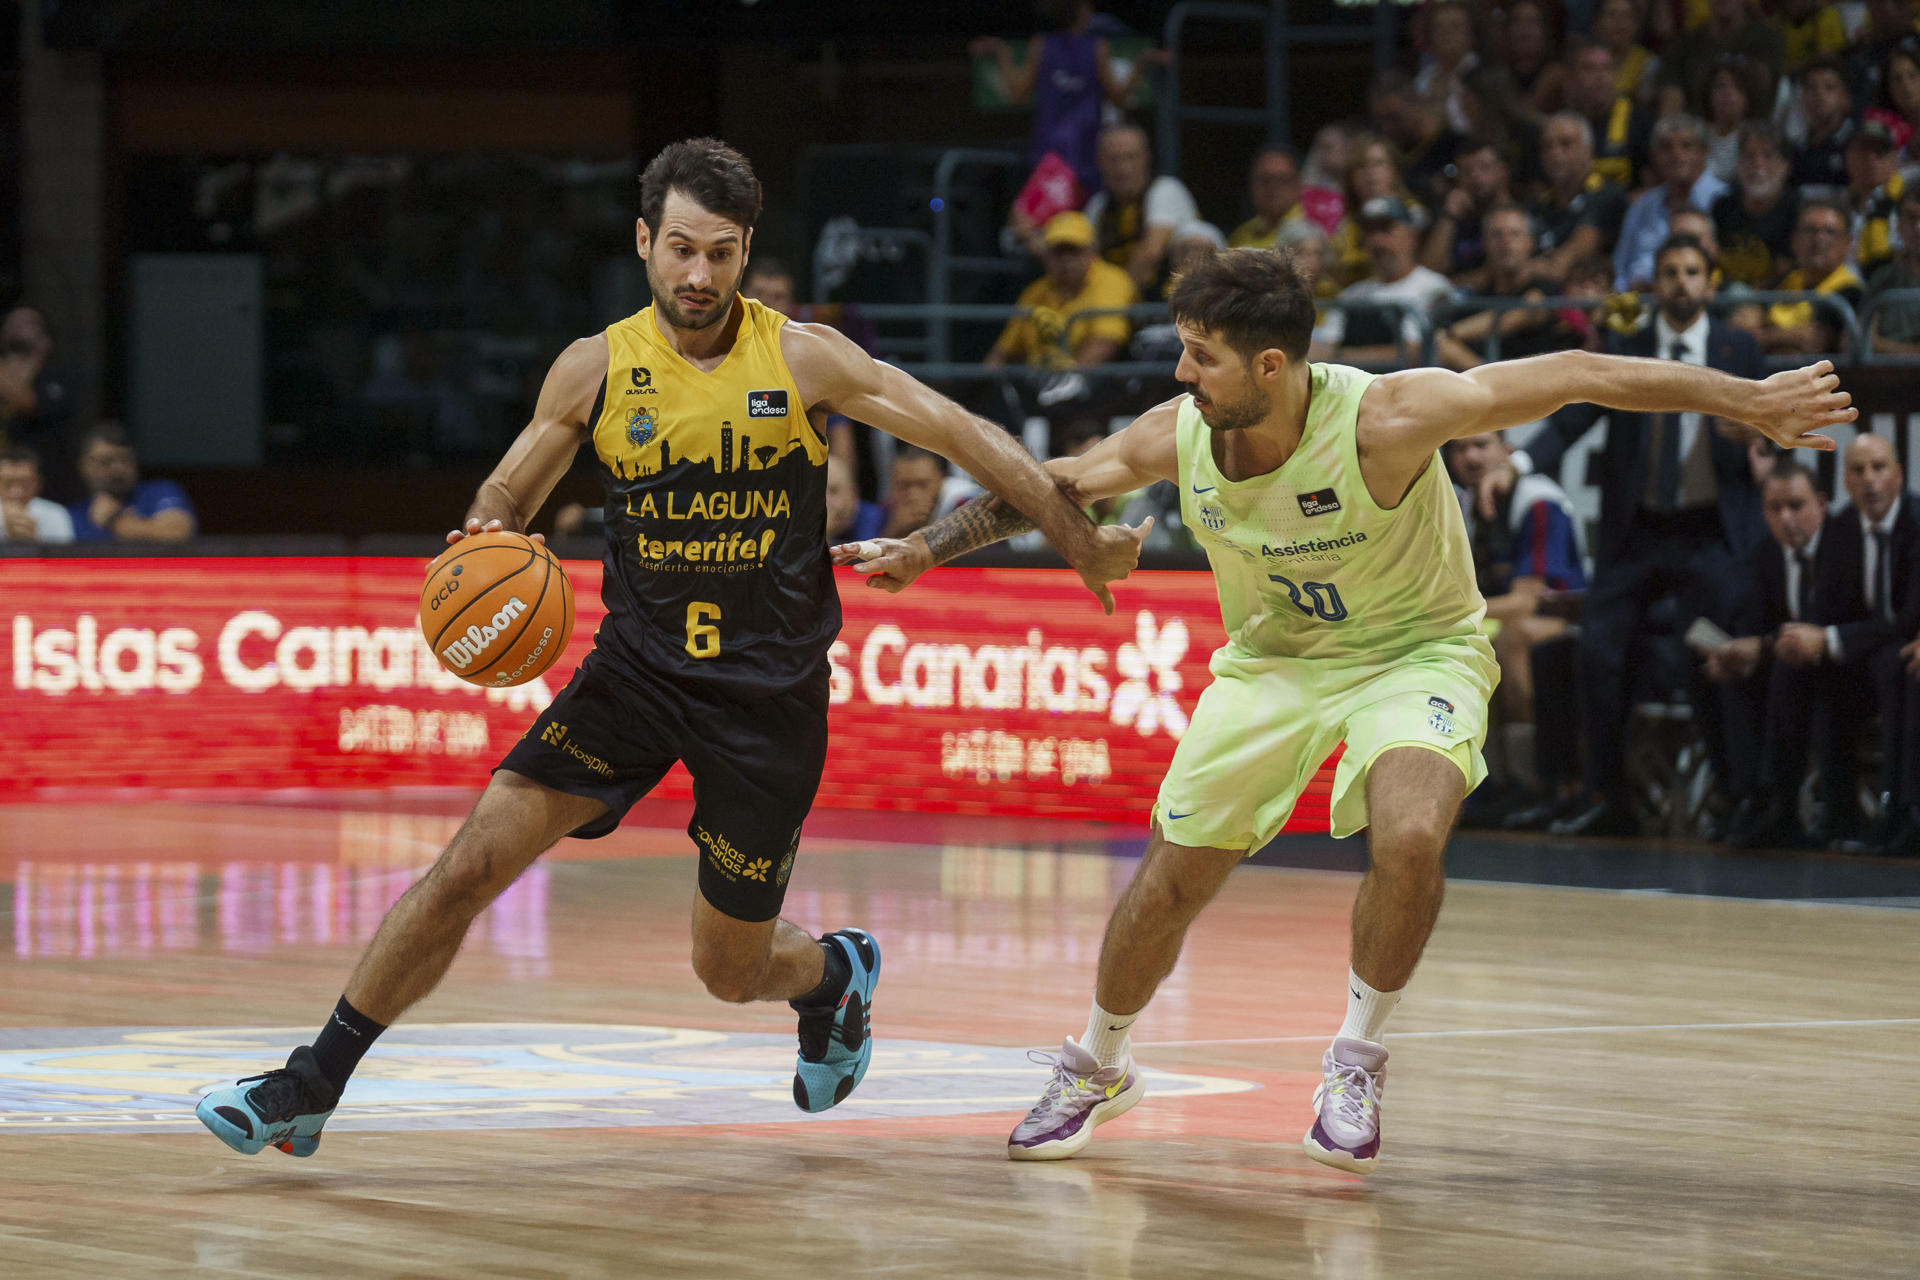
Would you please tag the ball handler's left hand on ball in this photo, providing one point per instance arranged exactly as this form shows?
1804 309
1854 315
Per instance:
891 564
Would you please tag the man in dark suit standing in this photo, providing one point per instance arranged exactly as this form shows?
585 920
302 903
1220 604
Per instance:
1769 701
1853 641
1679 511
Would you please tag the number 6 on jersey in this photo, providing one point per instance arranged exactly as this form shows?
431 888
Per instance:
703 639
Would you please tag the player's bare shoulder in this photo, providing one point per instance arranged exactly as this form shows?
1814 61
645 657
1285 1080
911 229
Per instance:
1151 442
823 360
573 382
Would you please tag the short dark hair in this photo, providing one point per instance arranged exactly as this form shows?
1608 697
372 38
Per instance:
707 171
1768 132
1589 265
105 433
1253 298
1274 149
1508 206
911 452
20 453
1476 143
1832 204
768 266
1786 471
1673 244
1827 62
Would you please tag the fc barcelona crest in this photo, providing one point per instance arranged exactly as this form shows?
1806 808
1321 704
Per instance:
640 426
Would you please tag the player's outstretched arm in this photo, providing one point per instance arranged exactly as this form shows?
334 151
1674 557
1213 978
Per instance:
544 450
833 373
1129 459
1405 416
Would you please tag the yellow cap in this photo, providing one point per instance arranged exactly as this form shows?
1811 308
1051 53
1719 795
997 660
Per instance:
1068 228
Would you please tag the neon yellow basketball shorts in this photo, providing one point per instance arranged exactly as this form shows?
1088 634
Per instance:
1265 725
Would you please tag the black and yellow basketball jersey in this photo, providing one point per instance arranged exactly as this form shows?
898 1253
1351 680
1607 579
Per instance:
716 566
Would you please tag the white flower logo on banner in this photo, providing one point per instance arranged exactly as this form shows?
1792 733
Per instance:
1150 665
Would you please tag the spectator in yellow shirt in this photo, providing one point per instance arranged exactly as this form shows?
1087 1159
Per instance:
1274 184
1810 29
1053 333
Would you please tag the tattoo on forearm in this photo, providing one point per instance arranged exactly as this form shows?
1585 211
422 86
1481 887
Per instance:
972 526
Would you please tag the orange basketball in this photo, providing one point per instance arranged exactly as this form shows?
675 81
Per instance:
497 609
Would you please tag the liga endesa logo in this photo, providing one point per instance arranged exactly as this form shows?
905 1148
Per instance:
254 651
892 670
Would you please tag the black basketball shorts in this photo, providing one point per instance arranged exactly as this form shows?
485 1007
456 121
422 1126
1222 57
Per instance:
615 730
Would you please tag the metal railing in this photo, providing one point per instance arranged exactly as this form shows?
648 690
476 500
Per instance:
1867 354
1854 326
943 263
1278 35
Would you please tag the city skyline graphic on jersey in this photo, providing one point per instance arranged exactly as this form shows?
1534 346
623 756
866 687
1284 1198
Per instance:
647 443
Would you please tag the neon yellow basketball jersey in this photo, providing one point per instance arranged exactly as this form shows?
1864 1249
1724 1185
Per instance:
1307 565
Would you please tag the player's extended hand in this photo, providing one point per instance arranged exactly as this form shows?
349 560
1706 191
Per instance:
1789 407
1116 551
891 564
474 526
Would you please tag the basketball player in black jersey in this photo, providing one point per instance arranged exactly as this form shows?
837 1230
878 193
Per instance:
705 412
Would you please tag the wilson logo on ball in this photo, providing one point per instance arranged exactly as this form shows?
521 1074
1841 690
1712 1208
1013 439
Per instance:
472 646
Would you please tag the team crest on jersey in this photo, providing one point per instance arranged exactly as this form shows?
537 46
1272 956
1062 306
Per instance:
767 404
1318 503
1213 517
640 424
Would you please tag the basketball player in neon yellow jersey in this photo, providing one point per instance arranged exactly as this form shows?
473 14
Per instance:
1348 594
706 412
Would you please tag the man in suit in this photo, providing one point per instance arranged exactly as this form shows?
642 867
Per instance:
1853 640
1679 510
1769 702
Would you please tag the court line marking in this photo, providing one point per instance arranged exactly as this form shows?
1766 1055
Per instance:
1554 1031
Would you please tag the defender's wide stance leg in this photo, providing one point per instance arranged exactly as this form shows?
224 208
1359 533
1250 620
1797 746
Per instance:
514 822
1094 1082
1413 796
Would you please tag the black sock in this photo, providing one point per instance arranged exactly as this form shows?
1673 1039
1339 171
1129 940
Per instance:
833 982
345 1039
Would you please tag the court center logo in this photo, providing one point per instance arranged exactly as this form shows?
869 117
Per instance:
505 1076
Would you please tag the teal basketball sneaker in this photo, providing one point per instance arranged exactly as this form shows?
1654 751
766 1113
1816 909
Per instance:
284 1108
835 1047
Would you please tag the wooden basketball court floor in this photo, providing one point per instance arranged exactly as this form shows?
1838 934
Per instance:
1584 1083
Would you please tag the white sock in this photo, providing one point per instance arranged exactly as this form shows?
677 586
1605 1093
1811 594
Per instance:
1108 1036
1367 1010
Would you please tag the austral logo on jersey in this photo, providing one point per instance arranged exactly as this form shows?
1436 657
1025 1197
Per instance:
1318 503
767 404
642 382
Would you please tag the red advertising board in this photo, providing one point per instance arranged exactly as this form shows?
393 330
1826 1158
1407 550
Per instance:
979 691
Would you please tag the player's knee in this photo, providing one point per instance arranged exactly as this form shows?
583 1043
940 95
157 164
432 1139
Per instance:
1159 896
728 975
1407 846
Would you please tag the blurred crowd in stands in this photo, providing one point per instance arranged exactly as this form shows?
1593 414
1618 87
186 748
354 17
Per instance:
1733 183
59 482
